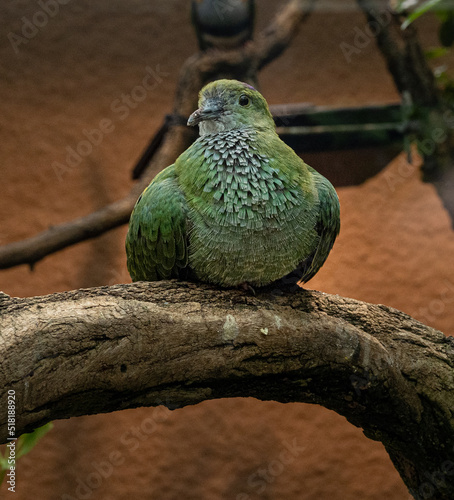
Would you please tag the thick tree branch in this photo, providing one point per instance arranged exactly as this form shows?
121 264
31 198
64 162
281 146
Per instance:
147 344
198 70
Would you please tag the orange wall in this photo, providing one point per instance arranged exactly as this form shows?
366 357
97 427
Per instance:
395 247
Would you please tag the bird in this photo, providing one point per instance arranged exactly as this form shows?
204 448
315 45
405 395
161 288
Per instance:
223 24
238 208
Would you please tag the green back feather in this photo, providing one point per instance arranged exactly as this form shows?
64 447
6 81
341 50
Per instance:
156 243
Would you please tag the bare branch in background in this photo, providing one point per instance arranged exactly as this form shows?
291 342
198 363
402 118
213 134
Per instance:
198 70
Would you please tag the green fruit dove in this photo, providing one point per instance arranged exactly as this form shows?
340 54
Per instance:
238 207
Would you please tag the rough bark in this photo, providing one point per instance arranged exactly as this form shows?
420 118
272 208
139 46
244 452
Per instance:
105 349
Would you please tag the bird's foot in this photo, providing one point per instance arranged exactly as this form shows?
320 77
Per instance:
246 287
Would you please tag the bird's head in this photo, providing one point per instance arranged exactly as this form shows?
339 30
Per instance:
230 105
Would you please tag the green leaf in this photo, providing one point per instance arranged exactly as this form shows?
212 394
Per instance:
4 460
422 9
27 441
446 32
4 463
443 15
435 52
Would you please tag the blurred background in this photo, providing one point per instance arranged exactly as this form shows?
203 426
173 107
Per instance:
395 246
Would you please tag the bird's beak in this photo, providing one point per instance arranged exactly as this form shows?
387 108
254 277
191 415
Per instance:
209 111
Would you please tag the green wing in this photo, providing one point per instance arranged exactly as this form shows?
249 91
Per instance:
327 227
156 243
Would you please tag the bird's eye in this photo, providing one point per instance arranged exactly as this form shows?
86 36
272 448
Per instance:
244 100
